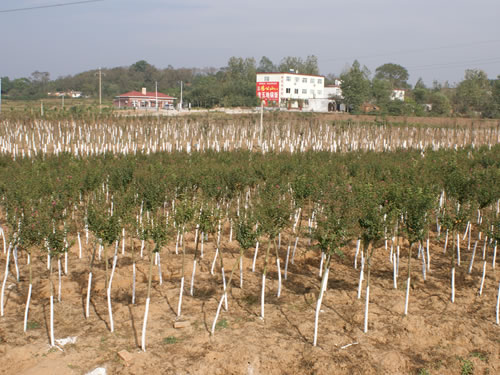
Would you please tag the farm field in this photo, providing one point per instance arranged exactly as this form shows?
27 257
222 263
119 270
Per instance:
310 245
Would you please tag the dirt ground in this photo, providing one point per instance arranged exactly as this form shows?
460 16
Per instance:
437 336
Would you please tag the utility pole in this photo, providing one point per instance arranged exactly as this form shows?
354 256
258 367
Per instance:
181 99
156 90
100 91
0 95
62 101
100 88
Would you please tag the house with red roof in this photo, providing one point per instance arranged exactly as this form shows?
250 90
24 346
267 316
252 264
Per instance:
144 99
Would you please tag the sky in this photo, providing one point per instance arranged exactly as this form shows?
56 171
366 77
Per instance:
435 40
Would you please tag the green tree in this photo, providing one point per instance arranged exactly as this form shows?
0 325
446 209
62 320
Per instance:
473 93
396 74
355 86
266 65
309 66
441 105
496 96
381 92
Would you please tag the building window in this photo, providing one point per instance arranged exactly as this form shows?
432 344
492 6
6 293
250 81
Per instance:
304 91
319 81
288 78
296 91
304 80
266 78
312 80
288 90
296 79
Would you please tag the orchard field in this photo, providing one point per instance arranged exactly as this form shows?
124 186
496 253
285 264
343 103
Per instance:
296 244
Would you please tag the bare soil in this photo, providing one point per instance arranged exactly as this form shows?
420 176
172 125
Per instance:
437 336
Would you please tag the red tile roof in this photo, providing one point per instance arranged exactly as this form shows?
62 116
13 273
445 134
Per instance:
149 95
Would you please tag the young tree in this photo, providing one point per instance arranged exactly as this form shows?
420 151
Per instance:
331 235
355 86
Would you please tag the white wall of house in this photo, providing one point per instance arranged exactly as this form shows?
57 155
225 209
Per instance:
295 85
333 91
398 94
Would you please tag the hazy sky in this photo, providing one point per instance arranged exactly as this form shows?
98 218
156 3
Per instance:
435 39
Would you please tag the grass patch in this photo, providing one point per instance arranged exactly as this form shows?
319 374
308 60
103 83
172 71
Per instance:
250 299
221 324
467 367
32 325
479 354
170 340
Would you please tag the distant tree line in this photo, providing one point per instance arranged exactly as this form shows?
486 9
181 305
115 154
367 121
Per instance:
234 85
475 96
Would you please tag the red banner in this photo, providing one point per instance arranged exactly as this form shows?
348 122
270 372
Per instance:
268 92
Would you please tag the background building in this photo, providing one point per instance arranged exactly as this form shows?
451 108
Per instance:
144 99
290 90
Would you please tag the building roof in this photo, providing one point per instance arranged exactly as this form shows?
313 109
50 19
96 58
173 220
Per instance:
148 95
292 73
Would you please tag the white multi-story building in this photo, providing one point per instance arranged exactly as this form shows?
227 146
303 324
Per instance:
295 89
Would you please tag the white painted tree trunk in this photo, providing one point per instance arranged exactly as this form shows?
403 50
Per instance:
407 298
494 256
358 243
133 283
179 306
472 257
394 272
279 276
262 295
59 280
482 278
191 288
224 285
6 274
424 266
160 275
79 246
26 311
87 303
324 281
213 262
214 323
294 248
14 253
286 262
367 303
144 325
498 305
108 292
428 256
360 284
51 324
453 284
255 256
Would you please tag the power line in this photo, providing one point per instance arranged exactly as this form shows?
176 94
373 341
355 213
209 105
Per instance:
401 52
456 64
49 6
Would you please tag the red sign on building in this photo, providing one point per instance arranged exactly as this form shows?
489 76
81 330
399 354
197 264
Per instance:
269 92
